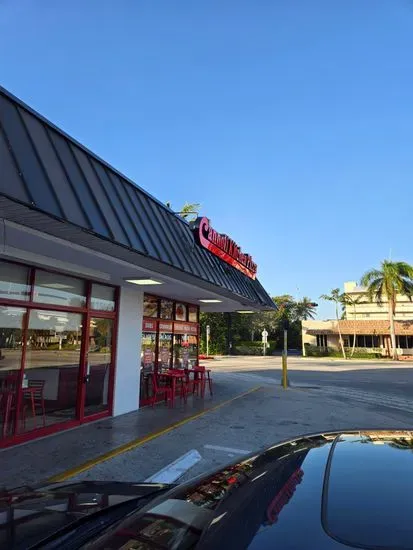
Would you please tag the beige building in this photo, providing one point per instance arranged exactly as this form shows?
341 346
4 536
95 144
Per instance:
367 322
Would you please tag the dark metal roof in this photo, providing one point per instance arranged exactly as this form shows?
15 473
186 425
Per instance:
44 170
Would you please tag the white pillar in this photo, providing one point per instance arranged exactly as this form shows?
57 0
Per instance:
127 379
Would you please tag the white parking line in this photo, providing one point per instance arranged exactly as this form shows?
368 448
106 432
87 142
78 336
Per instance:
227 450
176 469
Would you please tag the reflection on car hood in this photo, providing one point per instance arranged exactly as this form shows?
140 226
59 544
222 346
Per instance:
29 515
323 491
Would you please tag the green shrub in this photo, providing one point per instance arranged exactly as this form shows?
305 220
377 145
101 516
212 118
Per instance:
253 348
359 353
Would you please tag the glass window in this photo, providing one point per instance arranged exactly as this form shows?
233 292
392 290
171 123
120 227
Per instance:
368 341
52 288
51 369
14 281
103 298
167 308
193 314
11 320
150 306
180 312
376 341
99 365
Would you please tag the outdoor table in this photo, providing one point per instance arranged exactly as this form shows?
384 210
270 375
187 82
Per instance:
204 376
173 376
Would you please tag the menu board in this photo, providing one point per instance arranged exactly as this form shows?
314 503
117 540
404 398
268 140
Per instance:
180 312
192 314
167 308
150 306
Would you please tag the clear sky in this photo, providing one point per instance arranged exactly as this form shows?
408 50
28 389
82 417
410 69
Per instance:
291 121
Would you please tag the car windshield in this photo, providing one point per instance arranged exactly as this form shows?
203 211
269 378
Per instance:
193 340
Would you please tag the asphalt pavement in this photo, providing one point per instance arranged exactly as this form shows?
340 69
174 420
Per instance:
394 379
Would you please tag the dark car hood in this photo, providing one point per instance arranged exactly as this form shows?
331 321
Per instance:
30 515
324 491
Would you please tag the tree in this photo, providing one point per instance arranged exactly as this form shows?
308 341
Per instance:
349 300
391 279
189 211
338 298
305 309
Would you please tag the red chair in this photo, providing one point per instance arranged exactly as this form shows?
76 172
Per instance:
36 398
160 390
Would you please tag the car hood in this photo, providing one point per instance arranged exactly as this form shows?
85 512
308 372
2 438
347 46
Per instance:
324 491
29 515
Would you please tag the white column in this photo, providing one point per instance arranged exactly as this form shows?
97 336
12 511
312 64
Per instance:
127 379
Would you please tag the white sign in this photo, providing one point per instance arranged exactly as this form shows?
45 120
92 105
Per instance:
264 335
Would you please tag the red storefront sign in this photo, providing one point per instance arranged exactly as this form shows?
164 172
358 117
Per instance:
225 248
149 326
165 326
185 328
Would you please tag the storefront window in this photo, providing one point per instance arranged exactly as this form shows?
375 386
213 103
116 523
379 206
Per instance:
52 288
185 345
14 281
180 312
167 308
98 365
11 322
103 298
51 370
165 345
192 314
150 306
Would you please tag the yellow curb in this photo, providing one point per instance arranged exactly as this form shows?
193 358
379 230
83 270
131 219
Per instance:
139 441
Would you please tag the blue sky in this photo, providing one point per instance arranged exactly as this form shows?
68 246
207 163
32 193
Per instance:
290 121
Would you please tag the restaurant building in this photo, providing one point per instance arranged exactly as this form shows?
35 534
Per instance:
100 283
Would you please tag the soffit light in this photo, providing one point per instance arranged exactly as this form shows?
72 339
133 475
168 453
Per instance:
144 281
210 301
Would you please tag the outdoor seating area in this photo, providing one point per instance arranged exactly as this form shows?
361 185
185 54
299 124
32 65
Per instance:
166 384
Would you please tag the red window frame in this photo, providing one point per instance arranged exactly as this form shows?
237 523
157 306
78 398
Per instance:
157 320
87 312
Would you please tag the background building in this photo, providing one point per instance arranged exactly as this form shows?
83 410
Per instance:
367 322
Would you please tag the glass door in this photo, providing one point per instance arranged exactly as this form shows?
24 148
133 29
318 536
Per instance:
99 366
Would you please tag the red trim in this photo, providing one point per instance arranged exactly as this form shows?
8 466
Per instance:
87 314
39 432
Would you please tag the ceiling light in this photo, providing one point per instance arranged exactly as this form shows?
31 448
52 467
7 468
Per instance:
245 311
144 281
210 301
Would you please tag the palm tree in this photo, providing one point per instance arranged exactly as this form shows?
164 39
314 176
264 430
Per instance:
337 297
305 309
392 279
189 211
350 300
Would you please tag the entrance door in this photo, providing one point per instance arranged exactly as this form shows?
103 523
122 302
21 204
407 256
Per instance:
98 368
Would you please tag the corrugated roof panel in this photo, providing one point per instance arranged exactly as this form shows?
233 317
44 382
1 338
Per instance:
51 163
171 242
141 205
147 239
100 197
83 193
53 175
11 182
34 176
120 209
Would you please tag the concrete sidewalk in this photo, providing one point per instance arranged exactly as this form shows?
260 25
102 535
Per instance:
43 458
233 422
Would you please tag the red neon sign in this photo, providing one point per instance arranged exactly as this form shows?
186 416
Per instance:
225 248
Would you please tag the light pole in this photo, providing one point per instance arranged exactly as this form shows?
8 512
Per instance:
208 330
